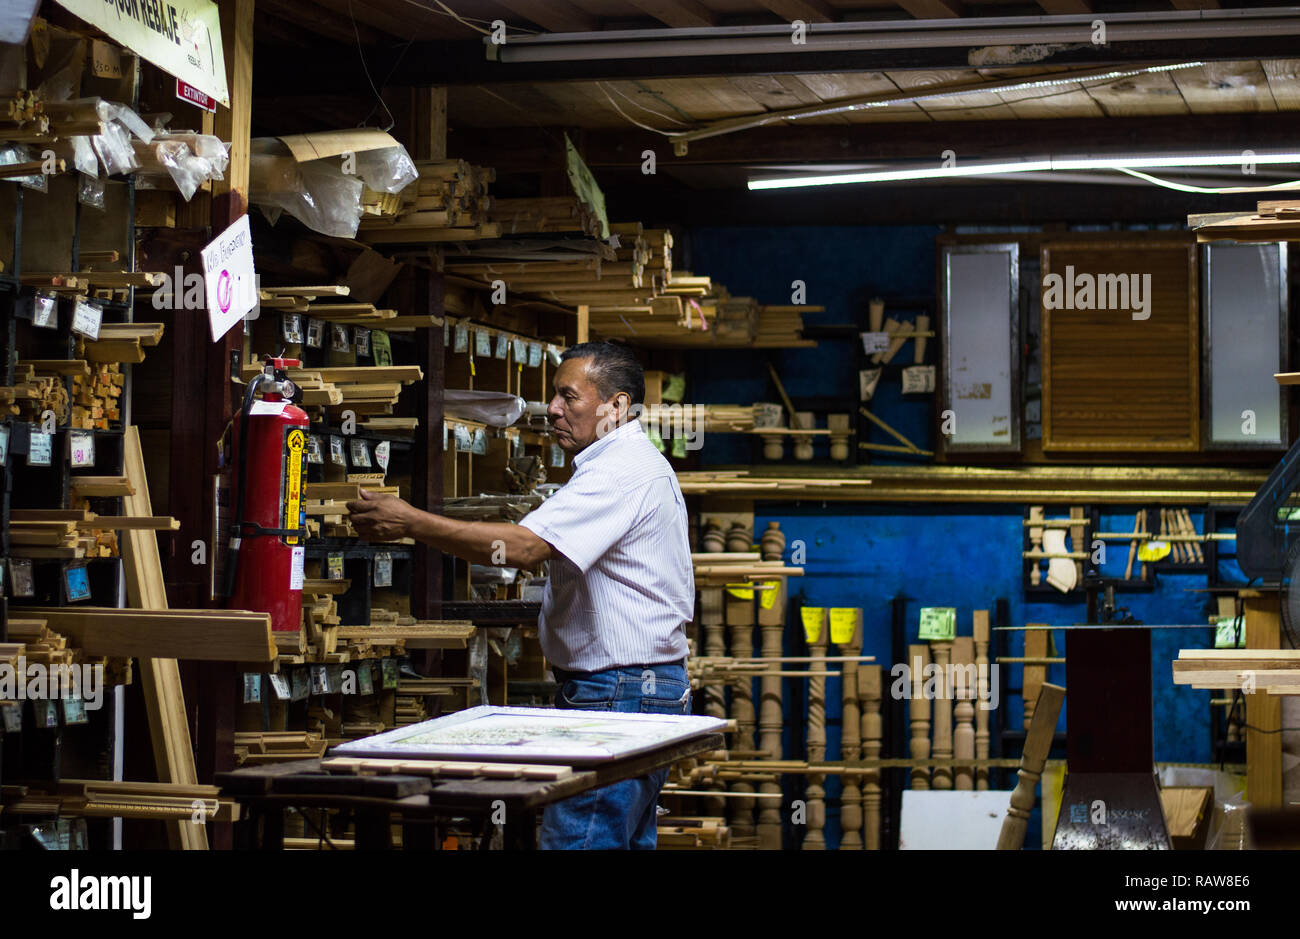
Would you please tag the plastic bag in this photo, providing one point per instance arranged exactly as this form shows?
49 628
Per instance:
111 111
388 169
1231 832
91 191
17 153
83 156
114 149
487 407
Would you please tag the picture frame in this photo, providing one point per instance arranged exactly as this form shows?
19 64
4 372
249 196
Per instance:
534 735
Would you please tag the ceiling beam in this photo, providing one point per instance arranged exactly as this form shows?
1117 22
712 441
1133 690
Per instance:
293 71
1065 7
931 9
1194 4
810 11
677 13
556 16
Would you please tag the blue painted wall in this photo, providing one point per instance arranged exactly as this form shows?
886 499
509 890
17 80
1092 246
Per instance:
860 555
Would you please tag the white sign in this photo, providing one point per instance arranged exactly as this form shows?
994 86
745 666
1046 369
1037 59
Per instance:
86 319
229 278
918 379
182 37
40 450
81 446
875 342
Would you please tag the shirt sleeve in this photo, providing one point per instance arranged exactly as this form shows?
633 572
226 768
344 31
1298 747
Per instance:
584 518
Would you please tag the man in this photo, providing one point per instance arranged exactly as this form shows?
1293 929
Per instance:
621 586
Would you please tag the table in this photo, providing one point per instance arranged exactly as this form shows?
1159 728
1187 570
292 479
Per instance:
264 792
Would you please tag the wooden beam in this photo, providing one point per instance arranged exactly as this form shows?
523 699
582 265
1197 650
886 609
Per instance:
931 9
1194 4
556 16
206 635
233 123
1263 711
810 11
677 13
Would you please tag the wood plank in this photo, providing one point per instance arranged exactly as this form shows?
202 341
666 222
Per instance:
1263 712
206 635
556 16
1284 82
1225 87
678 13
160 678
810 11
931 9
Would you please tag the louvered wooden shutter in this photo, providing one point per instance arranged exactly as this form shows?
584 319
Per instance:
1112 382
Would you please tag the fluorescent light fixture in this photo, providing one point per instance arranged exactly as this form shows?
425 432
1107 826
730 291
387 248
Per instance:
1027 166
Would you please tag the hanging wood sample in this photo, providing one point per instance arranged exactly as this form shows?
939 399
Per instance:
1121 355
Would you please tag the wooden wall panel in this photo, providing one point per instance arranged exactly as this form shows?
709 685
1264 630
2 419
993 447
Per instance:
1112 382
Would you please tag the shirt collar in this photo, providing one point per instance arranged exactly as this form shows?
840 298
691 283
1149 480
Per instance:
594 448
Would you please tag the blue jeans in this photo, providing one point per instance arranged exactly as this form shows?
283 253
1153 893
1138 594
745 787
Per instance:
622 816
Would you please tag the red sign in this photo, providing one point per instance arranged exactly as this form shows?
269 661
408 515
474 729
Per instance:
194 96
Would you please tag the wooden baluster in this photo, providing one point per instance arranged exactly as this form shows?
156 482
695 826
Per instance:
984 696
815 794
1076 539
873 729
850 743
771 721
1035 544
965 683
1038 743
712 619
740 620
1036 639
918 657
942 653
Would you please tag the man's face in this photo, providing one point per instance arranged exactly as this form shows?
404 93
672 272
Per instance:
578 415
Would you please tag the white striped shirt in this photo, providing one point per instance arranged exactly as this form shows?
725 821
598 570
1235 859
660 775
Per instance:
623 587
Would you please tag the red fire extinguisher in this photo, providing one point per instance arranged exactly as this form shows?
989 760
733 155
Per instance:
264 562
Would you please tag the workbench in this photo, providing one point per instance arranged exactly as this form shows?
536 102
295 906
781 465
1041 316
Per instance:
421 803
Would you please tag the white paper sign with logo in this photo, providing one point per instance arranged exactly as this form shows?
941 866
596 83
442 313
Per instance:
228 277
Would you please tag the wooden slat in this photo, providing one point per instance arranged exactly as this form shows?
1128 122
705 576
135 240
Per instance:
679 13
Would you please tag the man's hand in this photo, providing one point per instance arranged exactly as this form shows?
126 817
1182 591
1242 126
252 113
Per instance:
381 517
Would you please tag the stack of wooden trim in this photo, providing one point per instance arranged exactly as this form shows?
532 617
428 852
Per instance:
1274 220
120 342
207 635
95 798
544 214
329 502
76 532
252 749
304 299
320 620
391 629
102 285
685 834
361 389
1272 671
38 387
449 202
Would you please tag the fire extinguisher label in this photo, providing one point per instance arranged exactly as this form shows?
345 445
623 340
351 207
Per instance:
296 568
295 447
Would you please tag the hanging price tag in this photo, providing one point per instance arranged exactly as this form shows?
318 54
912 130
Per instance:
365 680
315 453
381 348
479 444
20 577
519 349
13 717
74 710
334 678
4 446
280 685
814 620
342 341
81 448
938 623
315 333
918 379
875 342
337 454
362 337
503 346
291 327
553 354
446 333
462 338
334 566
252 687
320 682
381 454
383 569
40 449
482 342
76 583
360 453
45 312
844 624
390 674
47 714
534 354
557 455
86 318
301 688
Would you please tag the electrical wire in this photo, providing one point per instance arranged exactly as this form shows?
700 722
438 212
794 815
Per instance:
631 100
1206 190
366 68
632 120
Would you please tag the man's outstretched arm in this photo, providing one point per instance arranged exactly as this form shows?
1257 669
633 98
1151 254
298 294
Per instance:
382 517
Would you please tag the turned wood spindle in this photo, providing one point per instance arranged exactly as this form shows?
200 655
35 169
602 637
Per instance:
1038 743
942 653
1036 639
918 657
965 682
815 793
873 730
1035 544
771 721
850 742
740 621
983 696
